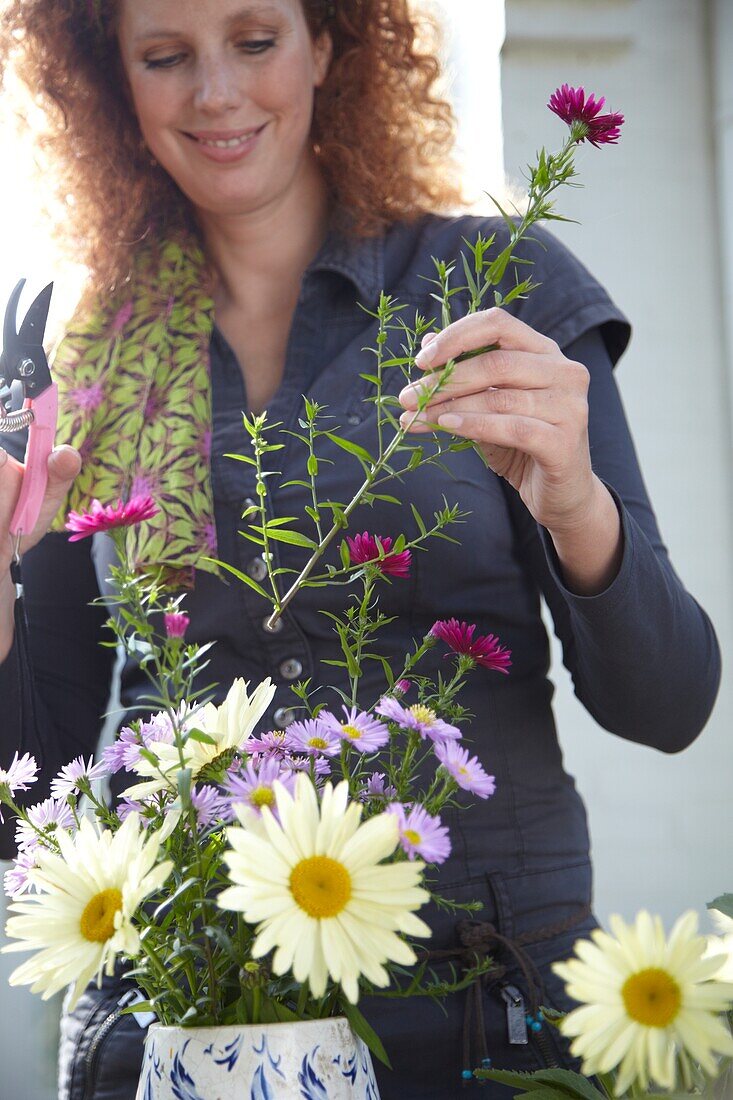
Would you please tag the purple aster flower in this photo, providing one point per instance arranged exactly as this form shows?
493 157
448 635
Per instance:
273 743
253 785
418 717
71 775
483 650
421 834
365 733
114 755
16 880
51 814
571 105
208 802
21 772
313 737
365 548
468 774
316 765
376 787
176 623
127 806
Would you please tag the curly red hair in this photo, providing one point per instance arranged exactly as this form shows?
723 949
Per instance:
382 133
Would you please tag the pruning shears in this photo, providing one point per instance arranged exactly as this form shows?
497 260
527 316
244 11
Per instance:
23 360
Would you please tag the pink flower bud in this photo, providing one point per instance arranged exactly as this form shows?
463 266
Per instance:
176 623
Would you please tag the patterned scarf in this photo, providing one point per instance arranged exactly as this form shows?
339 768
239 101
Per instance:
135 400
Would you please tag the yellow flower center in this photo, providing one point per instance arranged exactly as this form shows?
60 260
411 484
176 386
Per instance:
423 714
352 732
652 997
263 796
98 919
318 743
411 836
321 886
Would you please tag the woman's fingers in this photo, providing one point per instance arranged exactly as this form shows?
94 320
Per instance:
516 369
490 326
547 405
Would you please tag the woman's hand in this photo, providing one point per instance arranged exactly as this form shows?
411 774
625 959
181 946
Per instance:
64 464
526 406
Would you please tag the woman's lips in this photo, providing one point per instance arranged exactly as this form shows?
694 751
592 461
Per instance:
225 146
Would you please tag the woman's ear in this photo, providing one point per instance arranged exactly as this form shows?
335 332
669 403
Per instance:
322 54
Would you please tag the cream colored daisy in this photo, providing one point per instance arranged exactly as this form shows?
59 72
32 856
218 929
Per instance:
82 918
315 884
229 725
649 1003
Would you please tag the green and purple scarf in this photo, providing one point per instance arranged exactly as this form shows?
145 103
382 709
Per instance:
135 400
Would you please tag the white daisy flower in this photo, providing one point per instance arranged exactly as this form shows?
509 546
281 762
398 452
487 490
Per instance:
648 1003
229 725
315 884
82 918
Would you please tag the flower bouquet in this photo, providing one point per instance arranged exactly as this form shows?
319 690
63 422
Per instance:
255 885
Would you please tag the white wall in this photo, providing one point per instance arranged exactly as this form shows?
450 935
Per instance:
661 825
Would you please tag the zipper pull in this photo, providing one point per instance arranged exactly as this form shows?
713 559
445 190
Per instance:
133 997
516 1022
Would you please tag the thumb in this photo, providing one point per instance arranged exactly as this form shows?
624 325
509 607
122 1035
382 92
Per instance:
64 463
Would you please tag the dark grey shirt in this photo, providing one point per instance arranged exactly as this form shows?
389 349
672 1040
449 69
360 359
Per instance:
642 654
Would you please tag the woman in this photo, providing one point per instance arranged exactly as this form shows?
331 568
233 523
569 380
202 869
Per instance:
298 142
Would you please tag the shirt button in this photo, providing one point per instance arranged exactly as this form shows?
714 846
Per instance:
249 502
291 669
354 419
275 628
283 717
257 569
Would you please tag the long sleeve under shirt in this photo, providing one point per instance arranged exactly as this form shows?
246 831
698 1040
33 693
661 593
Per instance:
621 646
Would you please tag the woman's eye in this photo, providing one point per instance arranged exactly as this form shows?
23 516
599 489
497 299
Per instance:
256 45
163 62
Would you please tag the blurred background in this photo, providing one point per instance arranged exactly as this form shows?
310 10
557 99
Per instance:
656 226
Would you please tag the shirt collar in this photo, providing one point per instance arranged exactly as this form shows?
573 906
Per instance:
358 259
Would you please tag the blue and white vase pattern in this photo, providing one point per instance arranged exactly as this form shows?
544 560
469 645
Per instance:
312 1060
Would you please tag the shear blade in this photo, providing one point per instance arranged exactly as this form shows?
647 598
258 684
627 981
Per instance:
34 322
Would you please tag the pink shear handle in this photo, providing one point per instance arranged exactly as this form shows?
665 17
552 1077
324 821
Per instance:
41 437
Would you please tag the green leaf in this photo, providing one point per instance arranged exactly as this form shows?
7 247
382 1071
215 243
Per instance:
351 447
418 519
312 465
293 538
724 903
242 458
361 1027
199 735
184 784
345 553
240 576
545 1084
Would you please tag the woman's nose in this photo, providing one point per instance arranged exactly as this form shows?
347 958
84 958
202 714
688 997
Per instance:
216 89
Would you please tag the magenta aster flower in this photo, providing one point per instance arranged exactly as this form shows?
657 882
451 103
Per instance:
102 517
421 719
402 687
71 775
21 772
16 880
484 650
253 784
365 548
571 105
421 834
176 623
468 773
313 737
49 815
365 733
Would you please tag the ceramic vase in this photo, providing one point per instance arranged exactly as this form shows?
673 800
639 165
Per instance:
312 1060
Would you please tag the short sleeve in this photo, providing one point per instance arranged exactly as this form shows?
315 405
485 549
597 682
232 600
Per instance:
569 301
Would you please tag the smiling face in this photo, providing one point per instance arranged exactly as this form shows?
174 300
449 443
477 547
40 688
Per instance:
223 91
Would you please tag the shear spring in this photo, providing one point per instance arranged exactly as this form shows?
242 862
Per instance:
15 422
